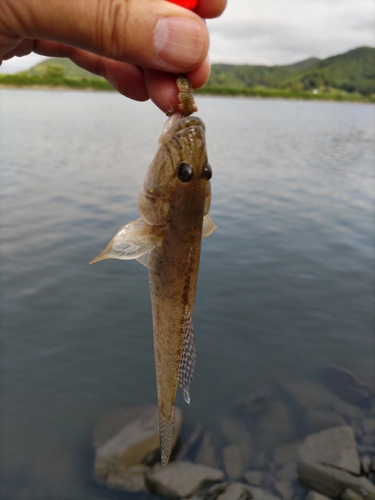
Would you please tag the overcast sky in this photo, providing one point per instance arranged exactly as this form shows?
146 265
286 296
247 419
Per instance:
277 31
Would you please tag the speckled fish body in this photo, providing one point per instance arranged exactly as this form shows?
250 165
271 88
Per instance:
173 203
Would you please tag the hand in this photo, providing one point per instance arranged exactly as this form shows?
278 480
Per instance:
137 45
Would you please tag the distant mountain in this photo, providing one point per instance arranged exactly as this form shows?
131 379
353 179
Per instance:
70 70
230 75
353 71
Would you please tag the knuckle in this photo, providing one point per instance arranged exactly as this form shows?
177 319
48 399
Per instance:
113 19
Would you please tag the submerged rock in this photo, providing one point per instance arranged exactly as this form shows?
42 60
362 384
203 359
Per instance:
181 479
335 446
350 494
288 471
206 454
132 445
236 433
235 491
285 488
311 395
313 495
332 482
253 477
287 452
274 425
260 494
344 383
320 419
233 463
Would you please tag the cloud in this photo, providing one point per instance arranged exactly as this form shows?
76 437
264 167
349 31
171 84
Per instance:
286 31
277 31
17 64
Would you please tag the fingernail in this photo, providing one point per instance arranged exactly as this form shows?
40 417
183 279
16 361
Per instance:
178 41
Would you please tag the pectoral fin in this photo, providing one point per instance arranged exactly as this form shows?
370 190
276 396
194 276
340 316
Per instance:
209 226
188 357
132 241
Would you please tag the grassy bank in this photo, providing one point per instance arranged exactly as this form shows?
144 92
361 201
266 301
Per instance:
22 80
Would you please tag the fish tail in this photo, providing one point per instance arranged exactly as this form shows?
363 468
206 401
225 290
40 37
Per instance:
166 428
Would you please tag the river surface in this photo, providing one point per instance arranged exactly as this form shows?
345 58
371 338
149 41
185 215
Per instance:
286 283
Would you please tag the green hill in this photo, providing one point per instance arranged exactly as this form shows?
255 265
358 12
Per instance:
353 71
230 75
70 70
349 76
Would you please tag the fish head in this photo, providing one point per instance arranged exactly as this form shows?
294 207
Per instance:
179 176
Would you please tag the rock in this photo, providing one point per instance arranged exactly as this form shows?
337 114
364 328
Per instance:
313 395
288 471
206 453
313 495
334 447
260 494
253 477
320 419
285 488
256 405
235 491
366 464
132 478
372 467
287 452
235 432
332 482
233 463
344 383
350 495
181 479
114 422
369 425
216 489
268 479
132 445
260 460
274 425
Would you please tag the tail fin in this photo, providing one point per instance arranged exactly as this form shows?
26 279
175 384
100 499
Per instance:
166 428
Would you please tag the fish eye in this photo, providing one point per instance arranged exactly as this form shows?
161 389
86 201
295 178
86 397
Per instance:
185 172
206 172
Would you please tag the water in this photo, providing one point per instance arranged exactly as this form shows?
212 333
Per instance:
286 283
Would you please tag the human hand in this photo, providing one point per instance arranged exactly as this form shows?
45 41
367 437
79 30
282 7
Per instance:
137 45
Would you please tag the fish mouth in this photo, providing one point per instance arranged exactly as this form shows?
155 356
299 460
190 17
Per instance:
176 124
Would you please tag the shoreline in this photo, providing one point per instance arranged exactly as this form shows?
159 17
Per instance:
218 92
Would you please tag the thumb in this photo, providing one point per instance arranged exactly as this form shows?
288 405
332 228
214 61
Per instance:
150 33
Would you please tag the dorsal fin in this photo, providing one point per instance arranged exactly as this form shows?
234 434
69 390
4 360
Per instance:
189 355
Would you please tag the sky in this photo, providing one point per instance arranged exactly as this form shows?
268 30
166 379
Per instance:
277 32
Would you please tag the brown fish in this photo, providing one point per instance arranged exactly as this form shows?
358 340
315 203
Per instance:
173 204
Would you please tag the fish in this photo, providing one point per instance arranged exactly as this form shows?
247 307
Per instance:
173 203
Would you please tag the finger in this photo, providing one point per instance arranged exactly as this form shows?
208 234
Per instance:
162 88
149 33
209 9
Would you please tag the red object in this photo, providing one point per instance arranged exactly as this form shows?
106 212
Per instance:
188 4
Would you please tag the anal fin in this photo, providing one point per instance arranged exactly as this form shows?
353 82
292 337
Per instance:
166 428
189 355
